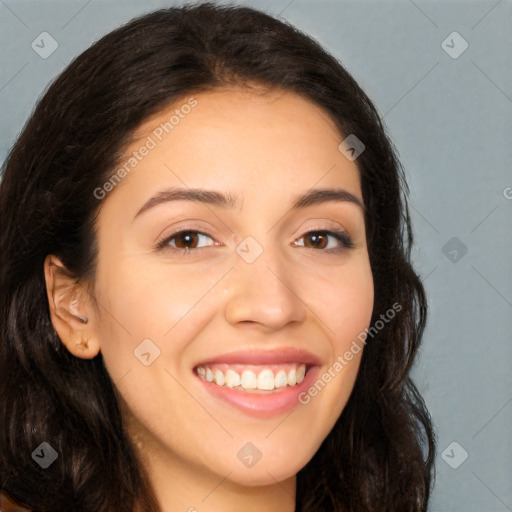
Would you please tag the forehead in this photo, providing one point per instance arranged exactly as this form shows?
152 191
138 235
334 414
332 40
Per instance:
245 141
241 105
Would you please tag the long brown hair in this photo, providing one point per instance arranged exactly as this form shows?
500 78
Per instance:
379 455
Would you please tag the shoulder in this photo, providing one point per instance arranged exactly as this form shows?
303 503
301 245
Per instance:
10 504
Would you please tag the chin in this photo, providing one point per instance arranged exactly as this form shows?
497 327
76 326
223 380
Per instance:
266 472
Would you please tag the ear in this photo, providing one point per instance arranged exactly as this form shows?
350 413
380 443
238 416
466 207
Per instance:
71 309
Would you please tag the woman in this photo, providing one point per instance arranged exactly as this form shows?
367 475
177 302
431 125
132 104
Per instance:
268 367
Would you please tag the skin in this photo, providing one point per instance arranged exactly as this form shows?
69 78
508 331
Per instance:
265 149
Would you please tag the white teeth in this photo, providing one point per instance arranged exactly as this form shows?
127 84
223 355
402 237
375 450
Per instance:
219 378
266 380
249 380
232 379
301 371
281 379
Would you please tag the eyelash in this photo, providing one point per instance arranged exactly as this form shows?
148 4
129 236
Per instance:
346 242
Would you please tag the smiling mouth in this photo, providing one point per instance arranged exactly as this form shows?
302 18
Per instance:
254 378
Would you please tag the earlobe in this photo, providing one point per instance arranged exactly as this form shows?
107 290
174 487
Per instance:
71 309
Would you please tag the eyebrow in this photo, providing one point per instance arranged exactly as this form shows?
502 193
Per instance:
228 201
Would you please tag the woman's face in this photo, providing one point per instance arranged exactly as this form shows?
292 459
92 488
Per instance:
261 293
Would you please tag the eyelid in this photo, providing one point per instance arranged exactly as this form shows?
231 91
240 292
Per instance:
335 230
341 236
163 243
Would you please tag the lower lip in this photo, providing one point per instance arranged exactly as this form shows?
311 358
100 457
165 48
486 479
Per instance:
262 405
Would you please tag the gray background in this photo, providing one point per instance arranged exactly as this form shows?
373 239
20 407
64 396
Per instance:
450 119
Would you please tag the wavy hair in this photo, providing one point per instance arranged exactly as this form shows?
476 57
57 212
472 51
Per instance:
379 455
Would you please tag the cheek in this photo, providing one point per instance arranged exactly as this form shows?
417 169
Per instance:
140 300
343 302
355 308
353 313
157 296
344 306
137 303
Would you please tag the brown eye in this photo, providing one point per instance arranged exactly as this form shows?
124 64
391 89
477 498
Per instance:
318 241
186 238
183 241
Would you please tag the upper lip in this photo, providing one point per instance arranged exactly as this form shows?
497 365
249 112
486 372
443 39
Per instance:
275 356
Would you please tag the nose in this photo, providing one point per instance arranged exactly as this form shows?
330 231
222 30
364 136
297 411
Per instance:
264 292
